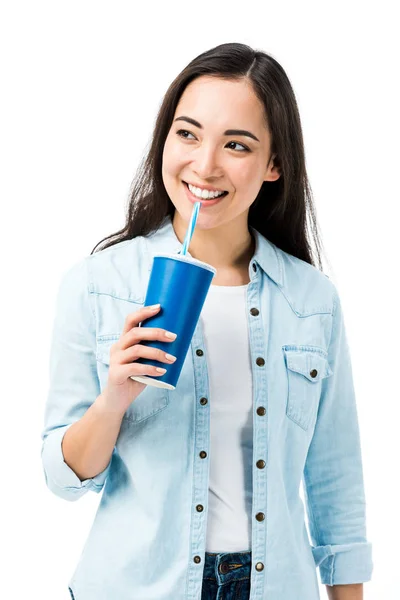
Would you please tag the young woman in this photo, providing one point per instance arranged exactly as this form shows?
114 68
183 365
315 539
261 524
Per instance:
201 484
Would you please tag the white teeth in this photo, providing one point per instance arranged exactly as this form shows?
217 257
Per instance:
203 193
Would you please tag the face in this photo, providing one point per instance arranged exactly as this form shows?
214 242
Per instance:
207 154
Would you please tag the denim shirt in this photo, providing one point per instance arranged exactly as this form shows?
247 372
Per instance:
147 541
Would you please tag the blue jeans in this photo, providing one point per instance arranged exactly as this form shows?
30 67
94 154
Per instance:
226 576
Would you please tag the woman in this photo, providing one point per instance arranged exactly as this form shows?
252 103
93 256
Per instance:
201 484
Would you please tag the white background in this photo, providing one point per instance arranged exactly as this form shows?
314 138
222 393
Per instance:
81 85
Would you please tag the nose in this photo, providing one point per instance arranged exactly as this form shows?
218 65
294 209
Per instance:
206 165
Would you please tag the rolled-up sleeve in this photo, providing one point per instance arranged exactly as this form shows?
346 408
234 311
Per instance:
73 381
333 473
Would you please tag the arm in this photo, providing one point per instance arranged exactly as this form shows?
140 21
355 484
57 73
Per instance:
333 476
88 444
345 592
74 386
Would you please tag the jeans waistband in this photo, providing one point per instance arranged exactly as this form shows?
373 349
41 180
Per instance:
227 566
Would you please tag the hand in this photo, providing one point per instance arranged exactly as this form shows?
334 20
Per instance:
120 390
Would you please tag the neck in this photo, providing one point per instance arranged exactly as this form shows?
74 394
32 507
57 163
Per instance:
225 248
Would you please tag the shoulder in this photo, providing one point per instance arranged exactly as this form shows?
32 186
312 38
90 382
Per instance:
118 254
307 288
119 270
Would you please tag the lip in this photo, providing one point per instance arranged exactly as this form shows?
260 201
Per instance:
209 188
204 202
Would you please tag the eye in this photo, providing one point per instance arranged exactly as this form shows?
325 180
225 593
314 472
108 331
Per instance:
183 131
245 149
180 133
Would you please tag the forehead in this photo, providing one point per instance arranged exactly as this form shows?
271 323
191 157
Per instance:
212 100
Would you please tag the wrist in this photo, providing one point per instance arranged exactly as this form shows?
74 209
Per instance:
104 407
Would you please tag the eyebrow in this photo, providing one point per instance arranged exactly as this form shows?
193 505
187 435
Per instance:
227 132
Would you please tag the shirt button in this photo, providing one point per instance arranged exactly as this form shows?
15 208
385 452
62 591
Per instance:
314 373
224 567
199 508
203 401
199 352
261 411
203 454
254 312
260 361
260 464
197 559
259 566
260 516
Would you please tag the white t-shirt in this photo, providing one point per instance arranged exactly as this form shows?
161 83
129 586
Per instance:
224 323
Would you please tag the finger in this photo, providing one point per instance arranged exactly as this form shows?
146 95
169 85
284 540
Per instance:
135 369
138 334
133 319
139 351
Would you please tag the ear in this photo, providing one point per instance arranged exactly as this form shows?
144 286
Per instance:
272 172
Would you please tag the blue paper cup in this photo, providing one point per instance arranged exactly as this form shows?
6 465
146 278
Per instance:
180 284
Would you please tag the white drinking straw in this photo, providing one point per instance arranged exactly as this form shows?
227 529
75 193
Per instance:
191 227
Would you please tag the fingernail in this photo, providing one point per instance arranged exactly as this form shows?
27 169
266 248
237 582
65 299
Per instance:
154 306
170 335
161 370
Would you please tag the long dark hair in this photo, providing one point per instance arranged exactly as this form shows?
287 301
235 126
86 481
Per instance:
282 207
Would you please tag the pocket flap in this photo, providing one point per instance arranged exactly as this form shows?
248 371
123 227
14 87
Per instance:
311 364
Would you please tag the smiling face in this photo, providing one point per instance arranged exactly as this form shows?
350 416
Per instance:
206 152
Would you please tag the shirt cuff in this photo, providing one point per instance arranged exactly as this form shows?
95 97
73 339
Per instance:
344 563
57 470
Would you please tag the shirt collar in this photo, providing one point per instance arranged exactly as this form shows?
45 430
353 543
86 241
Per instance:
266 255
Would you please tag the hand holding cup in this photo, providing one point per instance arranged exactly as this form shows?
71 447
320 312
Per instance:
121 390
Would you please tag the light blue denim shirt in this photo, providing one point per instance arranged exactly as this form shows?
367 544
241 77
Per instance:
148 539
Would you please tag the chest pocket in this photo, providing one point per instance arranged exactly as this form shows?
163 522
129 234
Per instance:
306 369
150 401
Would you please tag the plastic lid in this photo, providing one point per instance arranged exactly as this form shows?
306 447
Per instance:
187 259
